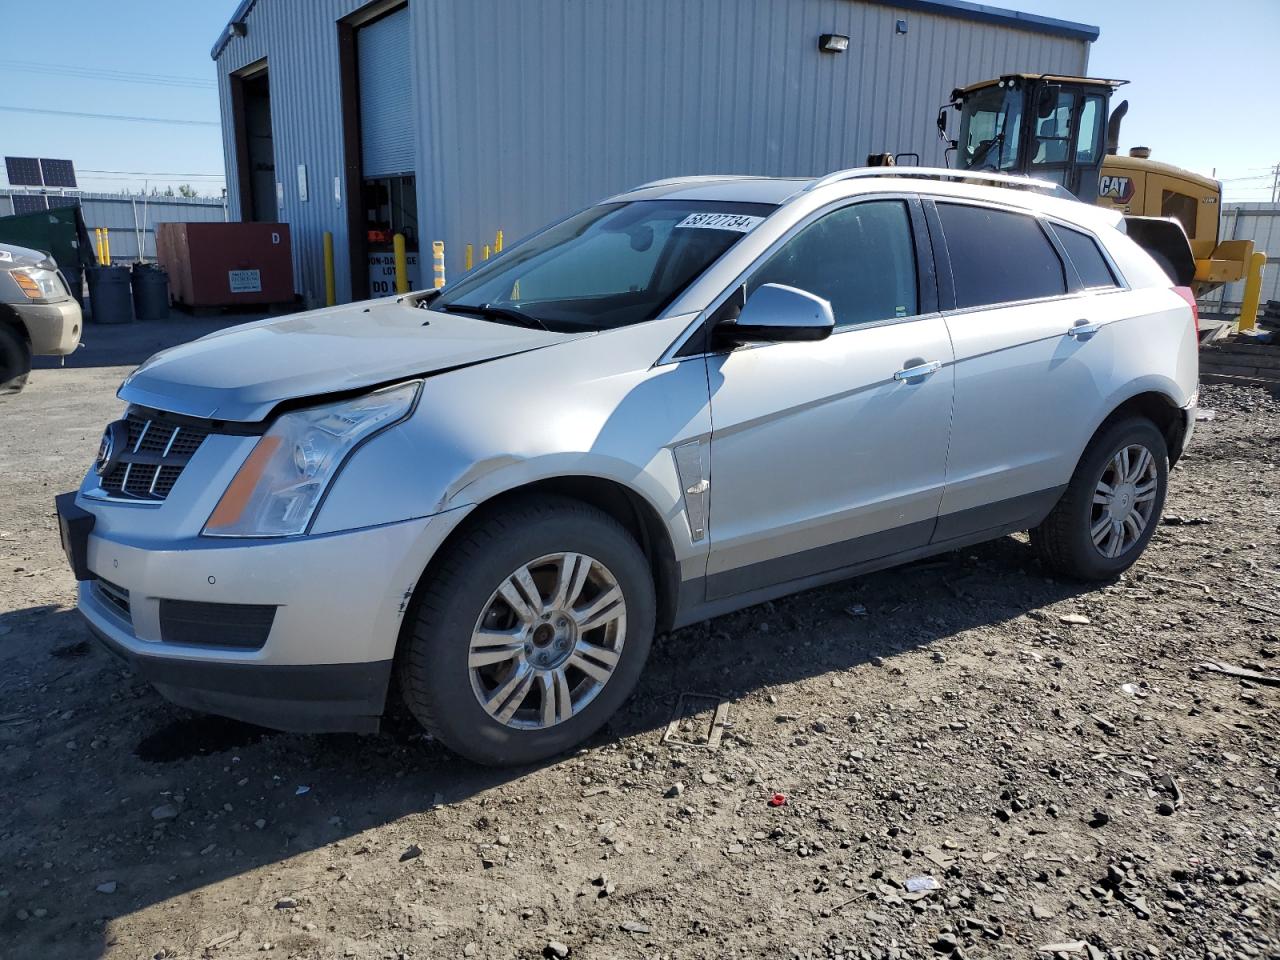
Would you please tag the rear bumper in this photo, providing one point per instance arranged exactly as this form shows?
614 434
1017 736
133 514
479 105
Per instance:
300 698
54 328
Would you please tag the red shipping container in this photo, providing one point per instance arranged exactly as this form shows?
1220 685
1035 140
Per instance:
224 264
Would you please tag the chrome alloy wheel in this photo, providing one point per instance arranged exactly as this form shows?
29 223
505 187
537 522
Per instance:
547 641
1123 500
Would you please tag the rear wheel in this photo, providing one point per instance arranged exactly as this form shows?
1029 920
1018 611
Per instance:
15 359
530 634
1112 505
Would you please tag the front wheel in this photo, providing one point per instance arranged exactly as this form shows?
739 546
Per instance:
1112 505
532 631
15 359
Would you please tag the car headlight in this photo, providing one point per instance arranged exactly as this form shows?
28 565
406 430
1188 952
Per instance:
38 283
277 489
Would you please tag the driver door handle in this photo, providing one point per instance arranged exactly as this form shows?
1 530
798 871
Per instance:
919 370
1082 328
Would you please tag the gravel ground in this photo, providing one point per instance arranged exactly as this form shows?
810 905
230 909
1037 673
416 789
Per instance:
970 760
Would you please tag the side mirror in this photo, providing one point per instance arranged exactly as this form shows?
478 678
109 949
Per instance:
1047 101
778 314
942 123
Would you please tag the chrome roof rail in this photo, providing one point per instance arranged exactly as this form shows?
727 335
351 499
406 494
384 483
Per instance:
705 178
943 173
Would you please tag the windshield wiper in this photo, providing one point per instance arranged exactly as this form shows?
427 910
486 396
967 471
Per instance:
501 314
981 153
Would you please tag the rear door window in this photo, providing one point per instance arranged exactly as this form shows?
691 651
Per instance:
998 256
1082 251
861 258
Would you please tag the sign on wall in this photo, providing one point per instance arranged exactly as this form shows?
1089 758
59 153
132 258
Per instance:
244 281
382 273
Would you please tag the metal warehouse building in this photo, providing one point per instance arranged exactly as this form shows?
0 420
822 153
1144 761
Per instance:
453 119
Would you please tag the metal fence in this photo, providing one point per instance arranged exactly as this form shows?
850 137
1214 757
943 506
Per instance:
1259 222
131 220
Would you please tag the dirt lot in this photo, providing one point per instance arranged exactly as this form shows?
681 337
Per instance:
1048 757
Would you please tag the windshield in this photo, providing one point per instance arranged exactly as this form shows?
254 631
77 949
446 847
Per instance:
990 125
609 266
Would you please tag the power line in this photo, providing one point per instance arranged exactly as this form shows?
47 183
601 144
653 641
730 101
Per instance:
115 76
144 173
111 116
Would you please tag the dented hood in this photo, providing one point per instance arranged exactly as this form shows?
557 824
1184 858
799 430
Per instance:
241 373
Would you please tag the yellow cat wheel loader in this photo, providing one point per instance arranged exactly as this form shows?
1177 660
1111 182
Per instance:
1062 129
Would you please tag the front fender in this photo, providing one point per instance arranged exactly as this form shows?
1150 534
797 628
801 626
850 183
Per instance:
591 408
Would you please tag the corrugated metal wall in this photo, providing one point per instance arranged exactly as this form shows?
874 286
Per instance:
534 107
300 41
128 216
528 109
1259 222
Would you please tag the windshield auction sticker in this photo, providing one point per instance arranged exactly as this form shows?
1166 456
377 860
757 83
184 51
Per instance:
720 221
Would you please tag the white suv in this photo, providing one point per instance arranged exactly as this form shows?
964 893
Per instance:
689 398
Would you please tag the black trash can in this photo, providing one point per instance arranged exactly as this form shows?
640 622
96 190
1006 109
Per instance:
150 292
110 300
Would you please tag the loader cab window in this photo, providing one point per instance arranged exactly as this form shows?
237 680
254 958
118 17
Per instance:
1051 143
1089 146
990 128
1067 140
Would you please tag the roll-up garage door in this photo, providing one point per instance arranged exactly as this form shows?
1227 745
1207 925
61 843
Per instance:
387 129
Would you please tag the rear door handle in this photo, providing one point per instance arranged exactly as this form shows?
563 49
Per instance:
919 370
1082 328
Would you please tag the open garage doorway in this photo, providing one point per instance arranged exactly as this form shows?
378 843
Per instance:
380 144
255 150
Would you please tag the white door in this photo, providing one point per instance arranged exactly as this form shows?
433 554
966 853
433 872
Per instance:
1032 356
820 458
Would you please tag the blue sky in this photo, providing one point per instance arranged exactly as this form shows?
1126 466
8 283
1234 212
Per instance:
169 38
1201 78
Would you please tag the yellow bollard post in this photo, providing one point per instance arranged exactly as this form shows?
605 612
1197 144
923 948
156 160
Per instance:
497 243
106 246
330 284
1252 292
402 263
470 258
437 262
484 252
97 240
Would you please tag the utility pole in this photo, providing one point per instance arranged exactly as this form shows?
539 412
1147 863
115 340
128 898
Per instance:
1275 184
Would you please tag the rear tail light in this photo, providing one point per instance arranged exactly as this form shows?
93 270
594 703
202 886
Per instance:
1188 295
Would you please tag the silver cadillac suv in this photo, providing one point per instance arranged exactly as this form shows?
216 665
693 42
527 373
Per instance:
689 398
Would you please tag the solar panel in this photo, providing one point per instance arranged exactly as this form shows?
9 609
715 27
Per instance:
28 203
23 171
59 201
58 173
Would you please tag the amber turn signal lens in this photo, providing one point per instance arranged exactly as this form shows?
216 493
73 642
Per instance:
27 285
231 507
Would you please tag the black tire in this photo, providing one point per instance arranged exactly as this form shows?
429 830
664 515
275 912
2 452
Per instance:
435 679
15 359
1063 540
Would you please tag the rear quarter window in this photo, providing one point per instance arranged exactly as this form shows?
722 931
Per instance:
999 256
1082 251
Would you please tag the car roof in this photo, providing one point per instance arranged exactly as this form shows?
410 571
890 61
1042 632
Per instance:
773 190
1023 192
